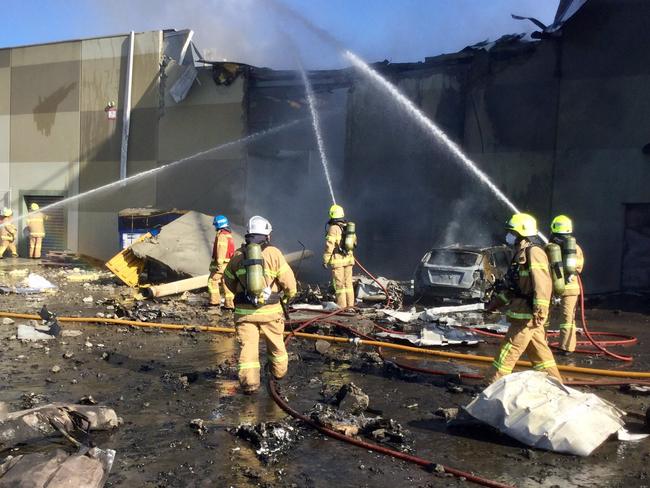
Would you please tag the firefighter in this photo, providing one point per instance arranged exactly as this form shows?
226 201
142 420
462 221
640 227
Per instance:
36 229
262 282
8 234
527 295
222 251
338 258
561 234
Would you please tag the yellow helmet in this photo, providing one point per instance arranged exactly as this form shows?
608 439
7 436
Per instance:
523 224
7 212
562 225
336 212
34 206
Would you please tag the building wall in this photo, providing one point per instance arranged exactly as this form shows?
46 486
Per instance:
604 123
558 125
211 116
104 66
44 122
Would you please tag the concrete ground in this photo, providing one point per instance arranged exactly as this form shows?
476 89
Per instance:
159 381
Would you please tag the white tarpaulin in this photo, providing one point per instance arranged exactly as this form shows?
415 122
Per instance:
537 410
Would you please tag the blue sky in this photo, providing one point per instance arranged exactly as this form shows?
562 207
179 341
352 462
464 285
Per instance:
249 31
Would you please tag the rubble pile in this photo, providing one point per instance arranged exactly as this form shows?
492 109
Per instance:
344 412
270 439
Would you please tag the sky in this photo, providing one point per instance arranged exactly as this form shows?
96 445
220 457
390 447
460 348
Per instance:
250 31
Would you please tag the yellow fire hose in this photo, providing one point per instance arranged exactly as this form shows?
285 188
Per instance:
356 341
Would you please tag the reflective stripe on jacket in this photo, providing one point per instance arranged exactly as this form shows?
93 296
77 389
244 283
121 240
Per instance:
222 250
278 275
332 255
534 281
36 224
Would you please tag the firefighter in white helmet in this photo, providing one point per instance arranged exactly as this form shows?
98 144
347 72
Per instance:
260 279
8 234
36 229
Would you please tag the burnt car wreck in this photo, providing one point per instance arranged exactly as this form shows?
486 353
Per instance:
465 273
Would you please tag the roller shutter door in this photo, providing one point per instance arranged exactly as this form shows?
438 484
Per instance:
55 226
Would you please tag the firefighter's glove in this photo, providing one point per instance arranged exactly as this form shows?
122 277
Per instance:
265 295
540 315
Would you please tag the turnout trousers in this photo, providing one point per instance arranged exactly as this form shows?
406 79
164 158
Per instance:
523 337
215 283
343 287
567 326
248 337
35 243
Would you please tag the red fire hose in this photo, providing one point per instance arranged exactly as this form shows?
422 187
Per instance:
589 335
430 465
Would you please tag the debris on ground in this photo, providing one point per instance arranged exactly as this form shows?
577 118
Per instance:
37 282
433 334
636 389
144 312
175 381
89 469
79 276
539 411
270 439
36 423
377 428
369 290
198 426
27 333
308 295
351 399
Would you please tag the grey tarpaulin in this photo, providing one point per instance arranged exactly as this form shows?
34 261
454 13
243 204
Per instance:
184 245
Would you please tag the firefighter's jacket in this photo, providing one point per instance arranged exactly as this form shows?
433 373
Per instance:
278 276
222 251
572 288
8 231
36 224
334 256
529 295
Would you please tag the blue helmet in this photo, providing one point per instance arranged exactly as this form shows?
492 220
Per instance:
220 222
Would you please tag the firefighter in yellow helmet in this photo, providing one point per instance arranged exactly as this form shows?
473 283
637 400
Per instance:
222 250
527 296
562 235
339 257
8 234
260 279
36 230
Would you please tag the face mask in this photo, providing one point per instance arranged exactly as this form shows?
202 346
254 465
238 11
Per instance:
511 239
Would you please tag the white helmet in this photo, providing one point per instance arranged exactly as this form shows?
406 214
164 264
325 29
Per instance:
259 225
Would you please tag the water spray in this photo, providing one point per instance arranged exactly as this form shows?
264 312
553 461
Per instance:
315 119
150 172
403 101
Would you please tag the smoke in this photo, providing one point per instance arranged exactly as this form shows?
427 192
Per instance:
251 31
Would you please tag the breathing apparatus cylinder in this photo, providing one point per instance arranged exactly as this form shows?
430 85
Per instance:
255 283
570 257
349 237
554 253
